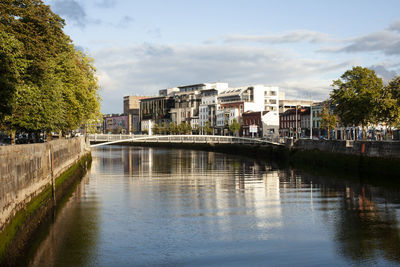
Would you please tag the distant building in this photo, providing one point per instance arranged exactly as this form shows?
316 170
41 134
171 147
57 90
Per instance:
189 99
132 110
285 104
260 124
290 122
254 98
115 123
157 109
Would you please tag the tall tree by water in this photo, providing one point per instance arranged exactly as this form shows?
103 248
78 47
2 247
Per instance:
48 85
12 67
356 96
389 111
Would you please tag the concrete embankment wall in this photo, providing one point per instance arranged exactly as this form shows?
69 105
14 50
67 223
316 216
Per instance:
374 161
31 176
371 149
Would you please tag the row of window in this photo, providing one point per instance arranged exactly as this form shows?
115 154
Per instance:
291 124
270 108
270 101
251 122
271 93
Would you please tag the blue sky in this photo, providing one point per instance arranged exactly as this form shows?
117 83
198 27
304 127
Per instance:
140 47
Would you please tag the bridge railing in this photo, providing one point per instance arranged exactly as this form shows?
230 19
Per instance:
109 137
115 138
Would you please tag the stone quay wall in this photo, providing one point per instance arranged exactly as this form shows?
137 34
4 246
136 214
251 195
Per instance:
26 170
380 149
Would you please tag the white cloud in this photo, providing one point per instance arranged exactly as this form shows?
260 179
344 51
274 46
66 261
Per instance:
296 36
386 41
144 69
384 72
72 10
395 26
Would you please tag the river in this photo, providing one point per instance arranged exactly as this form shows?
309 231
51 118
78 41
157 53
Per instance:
142 206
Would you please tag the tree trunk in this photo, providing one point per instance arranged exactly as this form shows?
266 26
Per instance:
48 136
12 137
363 133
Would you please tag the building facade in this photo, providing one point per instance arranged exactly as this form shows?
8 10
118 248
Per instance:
157 109
115 123
132 110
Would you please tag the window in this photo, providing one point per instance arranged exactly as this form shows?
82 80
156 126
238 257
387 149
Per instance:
273 101
273 93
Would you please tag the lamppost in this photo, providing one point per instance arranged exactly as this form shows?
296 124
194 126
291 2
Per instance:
311 120
296 123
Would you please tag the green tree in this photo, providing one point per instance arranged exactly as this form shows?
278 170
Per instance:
356 96
207 128
12 68
234 127
47 85
184 128
173 128
328 120
38 28
164 128
389 112
155 129
188 129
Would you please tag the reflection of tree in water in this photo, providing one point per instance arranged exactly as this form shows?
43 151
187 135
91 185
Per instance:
364 230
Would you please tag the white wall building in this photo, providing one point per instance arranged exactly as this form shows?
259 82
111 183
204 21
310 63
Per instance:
207 109
146 126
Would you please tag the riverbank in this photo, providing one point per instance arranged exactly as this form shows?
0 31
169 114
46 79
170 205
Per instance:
372 162
35 178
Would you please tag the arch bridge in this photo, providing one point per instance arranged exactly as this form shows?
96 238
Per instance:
109 139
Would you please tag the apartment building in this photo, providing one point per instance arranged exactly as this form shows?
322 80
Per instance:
190 98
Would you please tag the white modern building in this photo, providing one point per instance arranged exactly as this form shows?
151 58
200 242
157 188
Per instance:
253 98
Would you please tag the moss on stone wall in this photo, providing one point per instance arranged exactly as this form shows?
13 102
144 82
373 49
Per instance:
17 233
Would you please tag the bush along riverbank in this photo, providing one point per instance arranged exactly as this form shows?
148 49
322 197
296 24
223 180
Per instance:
17 235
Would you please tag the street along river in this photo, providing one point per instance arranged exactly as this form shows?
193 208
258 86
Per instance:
157 206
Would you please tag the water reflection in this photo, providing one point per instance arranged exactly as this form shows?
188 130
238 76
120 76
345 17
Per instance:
368 226
155 206
72 239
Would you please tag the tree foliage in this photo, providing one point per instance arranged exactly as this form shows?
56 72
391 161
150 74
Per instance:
208 128
12 67
234 127
184 128
155 129
47 85
389 102
356 96
328 120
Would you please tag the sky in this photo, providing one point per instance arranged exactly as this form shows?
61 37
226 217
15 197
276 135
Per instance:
140 47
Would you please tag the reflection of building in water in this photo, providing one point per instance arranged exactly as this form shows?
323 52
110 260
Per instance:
214 184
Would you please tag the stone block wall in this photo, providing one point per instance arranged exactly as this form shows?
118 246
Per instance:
25 170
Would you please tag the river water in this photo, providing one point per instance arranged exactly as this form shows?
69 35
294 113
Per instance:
157 206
